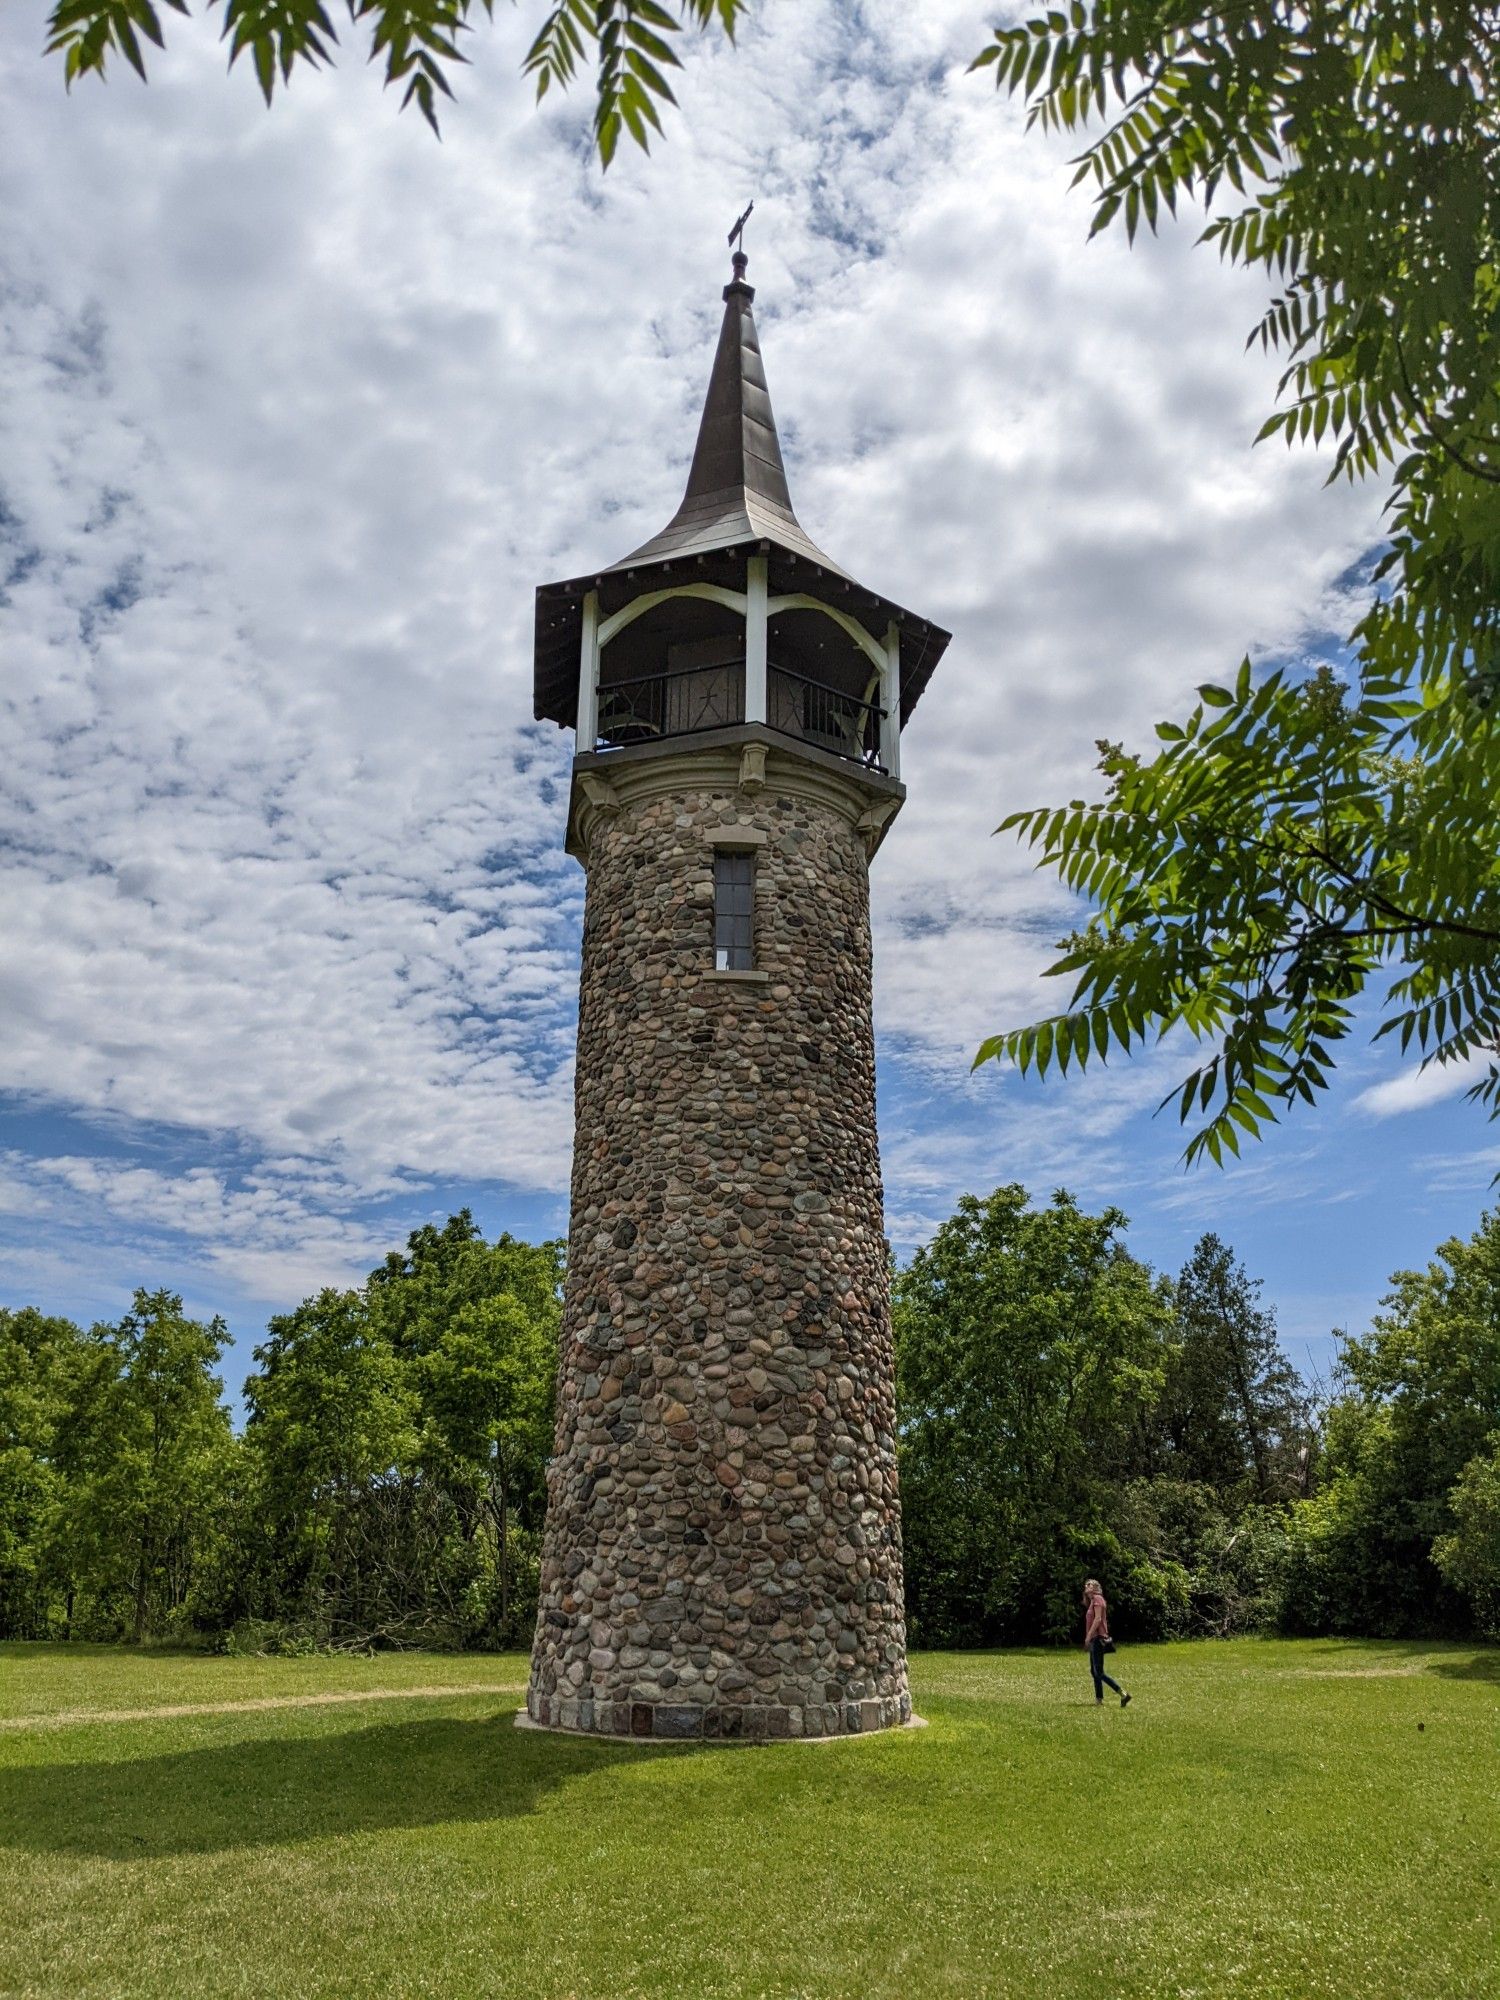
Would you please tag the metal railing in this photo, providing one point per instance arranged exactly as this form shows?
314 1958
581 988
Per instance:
670 704
689 700
818 714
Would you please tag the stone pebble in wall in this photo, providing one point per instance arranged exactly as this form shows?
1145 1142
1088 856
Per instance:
722 1555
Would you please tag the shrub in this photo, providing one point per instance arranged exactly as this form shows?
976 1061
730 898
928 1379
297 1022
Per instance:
1470 1557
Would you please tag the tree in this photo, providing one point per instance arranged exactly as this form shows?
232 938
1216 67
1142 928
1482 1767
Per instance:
489 1381
627 42
1291 842
40 1361
1027 1343
331 1419
72 1560
416 1292
144 1449
399 1434
479 1324
1235 1559
1399 1526
1232 1410
1469 1556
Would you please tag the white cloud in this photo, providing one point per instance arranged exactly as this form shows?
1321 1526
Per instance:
283 1231
1474 1172
1418 1087
296 410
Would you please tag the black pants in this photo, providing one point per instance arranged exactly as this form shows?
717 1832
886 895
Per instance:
1096 1668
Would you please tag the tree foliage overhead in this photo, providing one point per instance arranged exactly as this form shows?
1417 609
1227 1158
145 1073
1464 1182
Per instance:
628 44
1294 839
1280 853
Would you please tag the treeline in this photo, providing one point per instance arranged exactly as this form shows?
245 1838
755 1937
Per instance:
387 1486
1064 1411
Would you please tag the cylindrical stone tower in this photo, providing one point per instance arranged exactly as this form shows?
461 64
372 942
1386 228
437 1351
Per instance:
722 1554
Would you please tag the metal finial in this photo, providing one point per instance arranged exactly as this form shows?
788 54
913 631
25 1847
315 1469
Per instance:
740 260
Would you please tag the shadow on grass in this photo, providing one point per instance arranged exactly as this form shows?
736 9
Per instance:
1350 1654
271 1791
1468 1667
1448 1659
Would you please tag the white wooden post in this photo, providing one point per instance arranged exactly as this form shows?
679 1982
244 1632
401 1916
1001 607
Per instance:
587 734
890 701
756 573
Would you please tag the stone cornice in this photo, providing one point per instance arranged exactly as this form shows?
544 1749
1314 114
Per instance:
745 758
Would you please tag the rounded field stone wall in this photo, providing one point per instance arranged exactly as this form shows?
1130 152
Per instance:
722 1554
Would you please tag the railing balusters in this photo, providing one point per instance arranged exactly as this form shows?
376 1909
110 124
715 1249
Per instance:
687 701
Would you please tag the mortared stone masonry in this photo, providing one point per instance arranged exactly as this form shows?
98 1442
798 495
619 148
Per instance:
722 1551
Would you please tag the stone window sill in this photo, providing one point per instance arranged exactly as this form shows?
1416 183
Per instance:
738 978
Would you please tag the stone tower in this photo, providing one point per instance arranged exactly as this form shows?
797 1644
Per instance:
722 1555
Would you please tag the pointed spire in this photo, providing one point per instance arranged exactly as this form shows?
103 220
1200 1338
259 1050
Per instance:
736 489
738 449
736 496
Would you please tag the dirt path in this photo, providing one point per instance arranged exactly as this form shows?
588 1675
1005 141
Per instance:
64 1716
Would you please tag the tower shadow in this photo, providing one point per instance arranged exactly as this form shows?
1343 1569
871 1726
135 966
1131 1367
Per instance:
274 1791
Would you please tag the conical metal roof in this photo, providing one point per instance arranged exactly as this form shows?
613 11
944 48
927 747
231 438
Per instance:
736 489
736 502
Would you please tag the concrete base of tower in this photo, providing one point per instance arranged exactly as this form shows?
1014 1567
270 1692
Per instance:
726 1723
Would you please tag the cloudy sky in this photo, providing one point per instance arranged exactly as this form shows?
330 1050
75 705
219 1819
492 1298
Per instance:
297 409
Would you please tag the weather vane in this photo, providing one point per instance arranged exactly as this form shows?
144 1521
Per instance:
738 231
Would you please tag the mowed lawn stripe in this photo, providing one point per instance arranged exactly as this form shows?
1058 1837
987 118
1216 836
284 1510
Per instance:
173 1711
39 1679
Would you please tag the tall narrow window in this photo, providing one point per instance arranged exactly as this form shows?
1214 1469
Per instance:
734 911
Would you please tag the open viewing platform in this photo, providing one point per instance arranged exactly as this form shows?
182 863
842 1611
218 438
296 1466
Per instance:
686 701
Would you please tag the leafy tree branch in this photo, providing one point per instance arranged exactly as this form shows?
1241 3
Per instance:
1252 879
628 43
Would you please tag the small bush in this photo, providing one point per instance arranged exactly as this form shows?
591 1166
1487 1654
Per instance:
1470 1557
1148 1597
269 1638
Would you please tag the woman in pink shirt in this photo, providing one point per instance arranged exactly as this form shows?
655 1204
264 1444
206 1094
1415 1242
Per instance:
1095 1633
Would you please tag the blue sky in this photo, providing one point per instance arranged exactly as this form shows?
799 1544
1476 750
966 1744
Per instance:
296 410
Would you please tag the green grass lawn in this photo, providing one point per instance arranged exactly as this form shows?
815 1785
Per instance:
1268 1819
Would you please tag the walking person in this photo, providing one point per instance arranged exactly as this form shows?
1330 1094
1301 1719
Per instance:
1097 1642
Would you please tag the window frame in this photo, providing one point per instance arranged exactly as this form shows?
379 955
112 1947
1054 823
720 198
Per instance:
734 883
